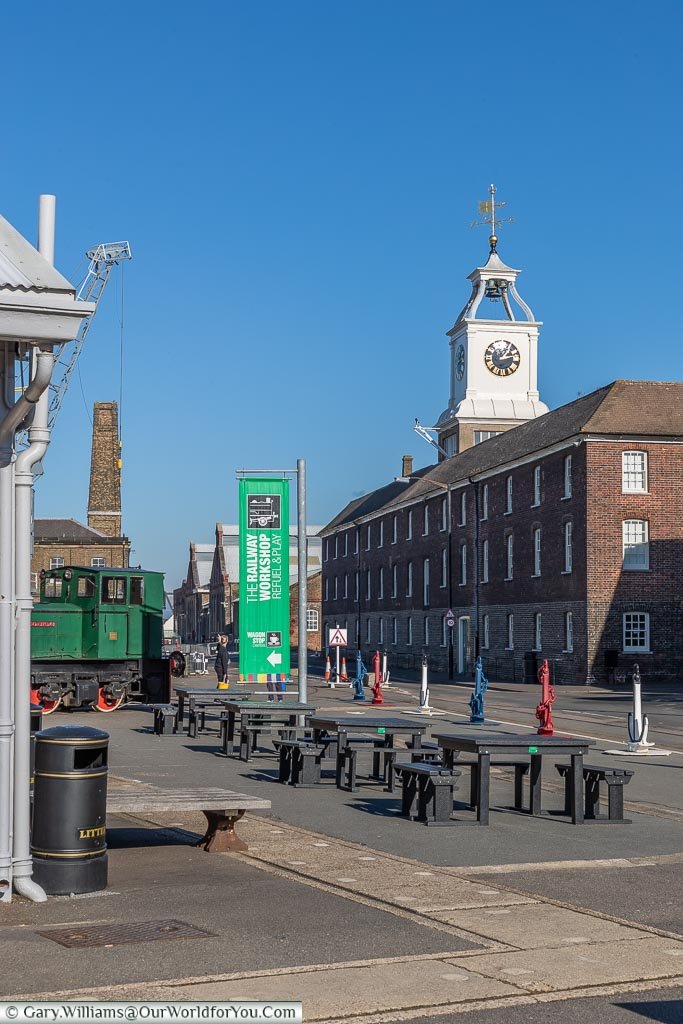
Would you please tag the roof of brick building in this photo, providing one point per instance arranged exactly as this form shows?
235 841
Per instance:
70 530
635 408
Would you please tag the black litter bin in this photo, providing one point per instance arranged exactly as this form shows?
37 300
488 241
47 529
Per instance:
531 667
69 845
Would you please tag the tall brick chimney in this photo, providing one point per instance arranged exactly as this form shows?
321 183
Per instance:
407 465
104 499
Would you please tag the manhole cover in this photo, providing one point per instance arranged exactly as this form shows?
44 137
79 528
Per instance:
118 934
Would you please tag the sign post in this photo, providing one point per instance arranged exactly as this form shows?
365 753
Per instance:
264 655
338 639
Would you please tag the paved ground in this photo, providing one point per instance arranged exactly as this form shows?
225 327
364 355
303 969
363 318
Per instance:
370 917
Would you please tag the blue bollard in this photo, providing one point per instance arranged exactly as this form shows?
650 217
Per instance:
477 699
361 672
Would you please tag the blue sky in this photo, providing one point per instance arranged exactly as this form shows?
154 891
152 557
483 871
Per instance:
297 182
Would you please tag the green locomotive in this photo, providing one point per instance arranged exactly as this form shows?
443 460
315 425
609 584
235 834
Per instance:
96 639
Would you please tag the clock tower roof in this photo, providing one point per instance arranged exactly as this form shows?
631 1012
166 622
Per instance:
498 282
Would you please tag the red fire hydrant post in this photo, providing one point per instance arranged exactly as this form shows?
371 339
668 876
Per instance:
377 695
544 709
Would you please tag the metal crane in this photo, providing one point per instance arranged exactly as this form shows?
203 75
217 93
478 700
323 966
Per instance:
103 258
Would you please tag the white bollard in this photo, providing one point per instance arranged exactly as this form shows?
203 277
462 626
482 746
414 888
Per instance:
637 725
423 707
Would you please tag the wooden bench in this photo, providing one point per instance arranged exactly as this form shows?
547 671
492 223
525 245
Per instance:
221 807
615 780
300 761
428 789
165 719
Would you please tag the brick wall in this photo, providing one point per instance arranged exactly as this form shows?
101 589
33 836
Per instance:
314 604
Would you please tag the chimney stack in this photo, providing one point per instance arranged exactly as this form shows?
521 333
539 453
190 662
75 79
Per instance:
104 502
407 465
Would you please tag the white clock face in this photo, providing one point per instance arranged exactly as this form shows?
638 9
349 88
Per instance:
502 358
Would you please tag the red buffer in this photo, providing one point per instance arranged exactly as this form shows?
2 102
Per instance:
544 709
378 696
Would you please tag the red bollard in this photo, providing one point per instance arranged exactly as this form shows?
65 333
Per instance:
378 696
544 709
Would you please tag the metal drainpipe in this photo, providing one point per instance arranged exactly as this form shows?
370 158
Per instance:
475 560
451 666
6 624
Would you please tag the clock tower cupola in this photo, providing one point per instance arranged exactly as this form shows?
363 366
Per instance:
494 353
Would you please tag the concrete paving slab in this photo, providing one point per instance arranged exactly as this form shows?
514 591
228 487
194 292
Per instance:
647 893
342 992
538 926
576 967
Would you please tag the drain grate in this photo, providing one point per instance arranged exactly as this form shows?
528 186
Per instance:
119 934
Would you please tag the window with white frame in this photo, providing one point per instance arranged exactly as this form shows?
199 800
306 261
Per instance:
35 586
394 580
336 584
508 495
485 502
409 631
346 543
537 485
511 631
463 564
633 472
394 630
444 567
426 630
636 545
394 530
57 563
98 563
368 632
425 520
484 435
380 542
409 580
380 593
425 583
368 584
444 632
311 620
381 631
485 561
537 631
327 589
326 553
463 508
485 632
444 513
357 632
567 476
451 444
357 541
356 585
569 632
336 545
509 565
409 527
537 551
368 537
346 584
636 632
568 557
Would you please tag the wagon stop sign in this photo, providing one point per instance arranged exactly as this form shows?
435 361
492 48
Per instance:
450 619
338 637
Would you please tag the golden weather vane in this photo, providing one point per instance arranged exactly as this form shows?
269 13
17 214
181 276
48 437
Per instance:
487 210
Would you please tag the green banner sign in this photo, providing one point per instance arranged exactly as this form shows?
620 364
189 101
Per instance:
264 580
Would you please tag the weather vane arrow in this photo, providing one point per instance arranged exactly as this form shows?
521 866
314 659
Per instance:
487 210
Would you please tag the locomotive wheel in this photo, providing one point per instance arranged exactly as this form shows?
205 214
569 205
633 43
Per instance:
106 703
48 706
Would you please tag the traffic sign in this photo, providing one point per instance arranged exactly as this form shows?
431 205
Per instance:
338 637
450 618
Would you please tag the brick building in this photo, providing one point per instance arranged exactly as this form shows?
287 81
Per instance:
562 538
191 600
314 609
58 542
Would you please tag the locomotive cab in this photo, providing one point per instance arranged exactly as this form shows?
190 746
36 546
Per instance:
96 638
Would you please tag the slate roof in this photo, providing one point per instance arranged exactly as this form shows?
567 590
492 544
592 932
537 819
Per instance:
70 530
638 408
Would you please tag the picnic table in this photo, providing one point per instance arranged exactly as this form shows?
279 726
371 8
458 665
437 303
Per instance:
203 694
271 712
524 745
383 730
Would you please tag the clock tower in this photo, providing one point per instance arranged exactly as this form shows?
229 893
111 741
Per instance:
493 374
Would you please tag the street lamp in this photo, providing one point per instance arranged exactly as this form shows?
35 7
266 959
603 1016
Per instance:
449 554
38 310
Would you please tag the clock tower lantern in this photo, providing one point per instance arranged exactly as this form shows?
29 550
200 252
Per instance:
493 374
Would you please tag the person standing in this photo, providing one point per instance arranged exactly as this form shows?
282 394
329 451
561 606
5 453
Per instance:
222 662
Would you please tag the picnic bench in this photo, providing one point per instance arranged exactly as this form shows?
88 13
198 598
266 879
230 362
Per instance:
614 778
221 807
428 790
